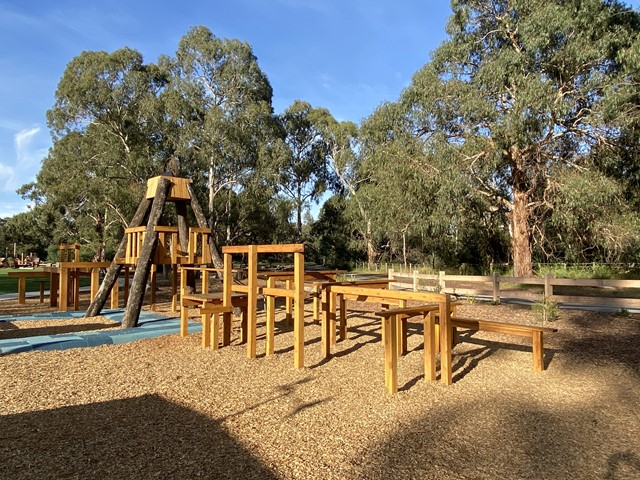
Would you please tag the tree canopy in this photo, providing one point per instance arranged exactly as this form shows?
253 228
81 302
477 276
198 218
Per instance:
517 142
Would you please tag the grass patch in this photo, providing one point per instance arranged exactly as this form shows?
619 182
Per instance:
10 285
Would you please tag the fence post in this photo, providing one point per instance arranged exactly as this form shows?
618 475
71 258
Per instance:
441 282
415 280
390 276
548 288
496 287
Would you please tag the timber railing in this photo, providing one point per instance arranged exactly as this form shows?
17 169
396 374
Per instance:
603 292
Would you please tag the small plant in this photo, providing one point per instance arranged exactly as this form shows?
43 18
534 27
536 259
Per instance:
546 309
471 299
623 312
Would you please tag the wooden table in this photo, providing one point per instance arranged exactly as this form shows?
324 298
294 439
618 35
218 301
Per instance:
437 302
63 282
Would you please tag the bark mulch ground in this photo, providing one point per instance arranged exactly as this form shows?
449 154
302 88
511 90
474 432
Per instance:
166 408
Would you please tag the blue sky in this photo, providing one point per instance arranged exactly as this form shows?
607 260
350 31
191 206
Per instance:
345 55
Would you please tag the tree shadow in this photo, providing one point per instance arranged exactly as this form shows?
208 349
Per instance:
622 465
54 330
141 437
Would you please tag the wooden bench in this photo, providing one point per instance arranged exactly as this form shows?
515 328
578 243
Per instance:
535 332
22 283
212 304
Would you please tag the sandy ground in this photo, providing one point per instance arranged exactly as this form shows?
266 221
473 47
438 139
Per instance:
166 408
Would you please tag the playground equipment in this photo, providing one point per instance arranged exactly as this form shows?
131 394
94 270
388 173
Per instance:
146 244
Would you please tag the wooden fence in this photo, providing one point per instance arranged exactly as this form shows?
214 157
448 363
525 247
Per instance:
608 293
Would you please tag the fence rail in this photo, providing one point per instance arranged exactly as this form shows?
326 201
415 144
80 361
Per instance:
500 288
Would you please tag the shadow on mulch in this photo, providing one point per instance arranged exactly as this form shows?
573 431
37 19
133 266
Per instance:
10 331
142 437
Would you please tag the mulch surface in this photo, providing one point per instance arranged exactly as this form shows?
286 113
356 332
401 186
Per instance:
166 408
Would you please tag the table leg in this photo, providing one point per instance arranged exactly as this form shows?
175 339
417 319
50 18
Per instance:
429 334
22 288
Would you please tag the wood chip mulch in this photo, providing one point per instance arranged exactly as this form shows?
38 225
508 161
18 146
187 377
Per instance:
166 408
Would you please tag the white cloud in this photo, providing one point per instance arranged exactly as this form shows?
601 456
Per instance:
11 208
29 147
8 175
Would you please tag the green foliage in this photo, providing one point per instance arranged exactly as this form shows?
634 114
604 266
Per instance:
623 312
330 237
501 121
546 310
303 172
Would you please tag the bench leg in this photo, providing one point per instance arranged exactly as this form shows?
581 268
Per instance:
389 326
332 318
215 331
206 329
538 352
226 329
270 304
243 326
430 340
184 319
343 318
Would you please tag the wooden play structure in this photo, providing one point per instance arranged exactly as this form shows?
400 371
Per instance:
146 245
440 326
64 278
246 297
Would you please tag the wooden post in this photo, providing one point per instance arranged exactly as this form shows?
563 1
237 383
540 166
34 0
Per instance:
227 283
126 284
54 284
402 330
325 336
115 291
76 285
136 295
252 301
111 277
538 351
174 288
446 376
441 281
429 335
343 319
215 331
496 287
205 320
288 304
298 318
389 325
184 309
22 289
95 281
332 318
64 289
316 302
270 302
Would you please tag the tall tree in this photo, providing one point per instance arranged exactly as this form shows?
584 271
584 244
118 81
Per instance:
520 90
218 104
104 147
303 169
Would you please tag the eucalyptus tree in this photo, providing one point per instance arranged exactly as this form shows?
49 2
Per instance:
303 172
104 147
522 91
218 110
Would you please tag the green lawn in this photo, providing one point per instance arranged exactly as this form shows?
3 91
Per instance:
10 285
